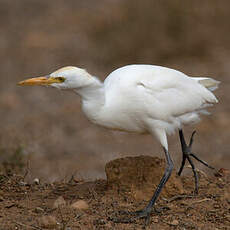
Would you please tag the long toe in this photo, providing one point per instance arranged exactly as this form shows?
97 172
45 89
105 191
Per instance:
131 217
145 214
201 161
123 217
142 213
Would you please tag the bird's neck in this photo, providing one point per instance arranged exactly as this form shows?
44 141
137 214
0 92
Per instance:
93 99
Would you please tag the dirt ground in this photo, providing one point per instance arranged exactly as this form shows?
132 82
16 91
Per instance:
77 204
47 126
45 137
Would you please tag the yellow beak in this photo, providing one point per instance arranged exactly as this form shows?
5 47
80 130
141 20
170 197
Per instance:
39 81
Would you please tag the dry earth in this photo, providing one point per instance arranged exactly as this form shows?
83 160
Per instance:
47 125
107 204
44 135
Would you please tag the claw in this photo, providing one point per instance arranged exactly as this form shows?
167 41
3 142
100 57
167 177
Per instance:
133 217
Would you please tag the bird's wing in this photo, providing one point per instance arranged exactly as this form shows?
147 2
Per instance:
175 95
161 92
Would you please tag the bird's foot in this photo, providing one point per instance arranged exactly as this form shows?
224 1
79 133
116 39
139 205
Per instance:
131 217
187 154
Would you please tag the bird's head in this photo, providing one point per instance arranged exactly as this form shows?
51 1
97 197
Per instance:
69 77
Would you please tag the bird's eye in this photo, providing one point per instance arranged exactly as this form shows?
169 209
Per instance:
60 79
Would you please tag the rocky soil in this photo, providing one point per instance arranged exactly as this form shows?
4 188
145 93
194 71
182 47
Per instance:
108 204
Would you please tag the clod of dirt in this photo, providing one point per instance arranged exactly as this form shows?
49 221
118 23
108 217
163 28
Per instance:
223 173
139 177
174 222
49 222
60 201
80 204
39 210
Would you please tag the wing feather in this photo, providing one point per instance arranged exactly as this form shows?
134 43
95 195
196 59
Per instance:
177 95
162 92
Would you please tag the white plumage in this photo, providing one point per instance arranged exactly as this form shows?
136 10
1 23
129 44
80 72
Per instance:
143 99
155 97
140 98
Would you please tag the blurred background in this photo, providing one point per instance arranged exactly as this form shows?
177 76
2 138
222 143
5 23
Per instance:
44 131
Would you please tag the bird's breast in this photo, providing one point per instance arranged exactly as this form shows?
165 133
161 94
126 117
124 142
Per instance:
115 118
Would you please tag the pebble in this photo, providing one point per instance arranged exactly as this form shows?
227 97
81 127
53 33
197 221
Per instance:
174 222
48 222
36 181
80 204
60 201
155 219
99 222
39 210
227 217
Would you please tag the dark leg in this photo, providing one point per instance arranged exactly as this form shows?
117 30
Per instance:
187 154
169 167
145 213
186 150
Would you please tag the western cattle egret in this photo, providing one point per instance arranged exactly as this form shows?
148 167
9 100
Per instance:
142 99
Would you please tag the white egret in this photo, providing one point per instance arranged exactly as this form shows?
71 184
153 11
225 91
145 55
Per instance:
142 99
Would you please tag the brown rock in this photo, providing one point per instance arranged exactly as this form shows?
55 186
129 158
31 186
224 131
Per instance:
39 210
80 204
139 177
59 202
174 222
49 222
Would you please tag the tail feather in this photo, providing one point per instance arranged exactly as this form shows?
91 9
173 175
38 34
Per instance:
208 83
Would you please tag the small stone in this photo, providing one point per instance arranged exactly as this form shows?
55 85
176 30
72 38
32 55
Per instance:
39 210
36 181
48 222
23 183
80 204
174 222
99 222
59 202
155 219
1 198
